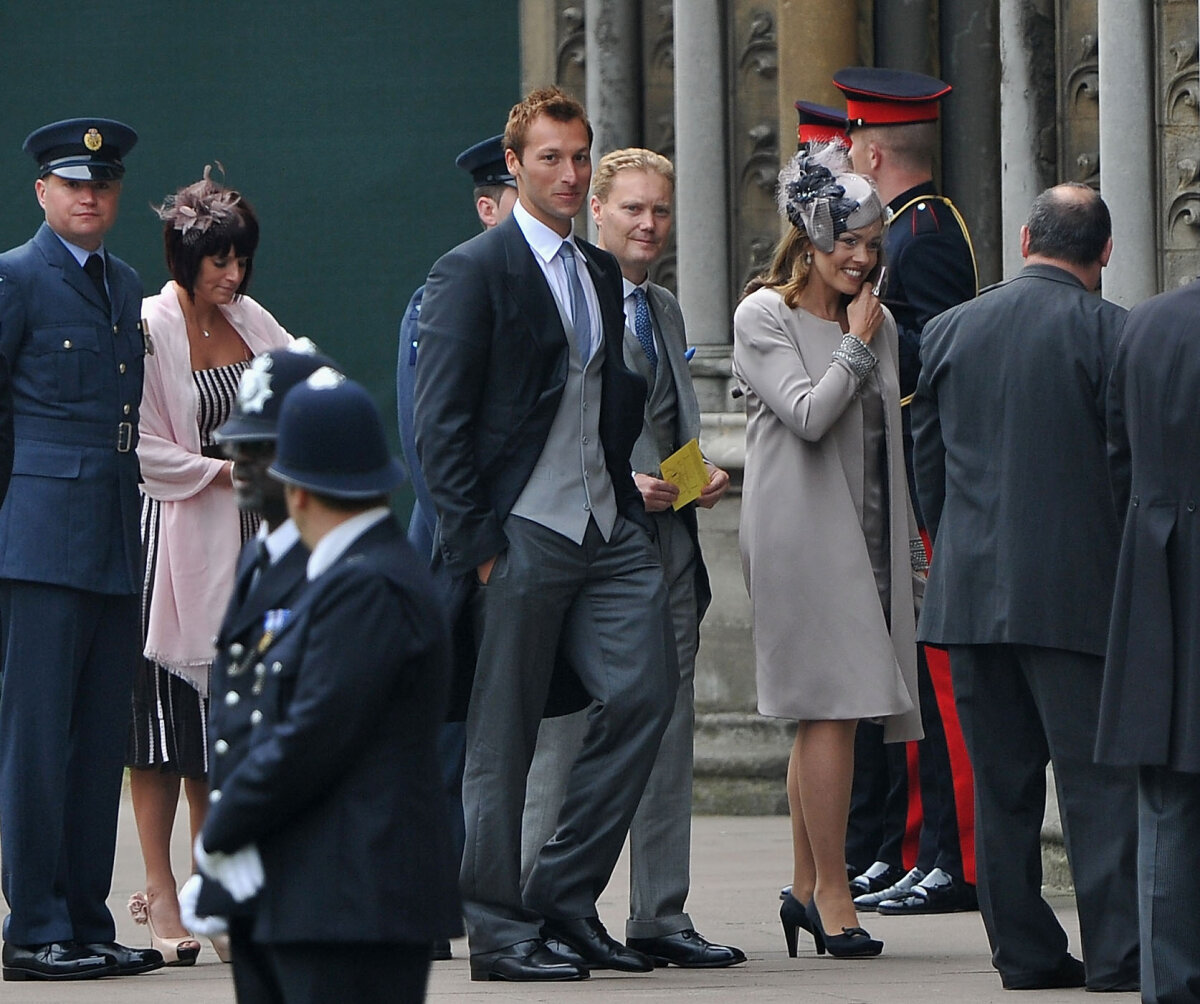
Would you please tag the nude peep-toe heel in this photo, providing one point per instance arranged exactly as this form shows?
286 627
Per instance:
175 951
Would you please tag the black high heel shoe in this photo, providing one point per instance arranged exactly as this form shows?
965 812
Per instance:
792 915
852 943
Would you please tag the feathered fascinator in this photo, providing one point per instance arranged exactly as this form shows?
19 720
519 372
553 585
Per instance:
193 210
818 194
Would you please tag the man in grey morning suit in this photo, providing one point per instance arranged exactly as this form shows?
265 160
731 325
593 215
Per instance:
1150 707
1012 475
631 206
526 416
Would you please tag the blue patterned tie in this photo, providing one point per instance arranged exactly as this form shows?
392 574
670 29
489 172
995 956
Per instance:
581 318
642 327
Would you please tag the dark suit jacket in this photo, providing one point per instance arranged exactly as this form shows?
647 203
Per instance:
1011 465
71 515
1150 710
490 375
331 767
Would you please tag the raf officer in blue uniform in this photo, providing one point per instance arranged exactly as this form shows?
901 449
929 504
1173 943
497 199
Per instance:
892 124
327 821
70 560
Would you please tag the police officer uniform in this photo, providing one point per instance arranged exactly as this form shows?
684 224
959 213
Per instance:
323 729
70 574
931 267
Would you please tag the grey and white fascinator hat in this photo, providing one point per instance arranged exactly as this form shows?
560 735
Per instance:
819 194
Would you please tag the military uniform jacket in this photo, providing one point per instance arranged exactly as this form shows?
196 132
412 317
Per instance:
71 516
1150 708
324 754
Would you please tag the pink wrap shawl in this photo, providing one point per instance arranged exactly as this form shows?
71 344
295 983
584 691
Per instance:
198 539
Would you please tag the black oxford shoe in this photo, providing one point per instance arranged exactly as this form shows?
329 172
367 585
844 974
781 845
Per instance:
128 961
587 936
687 949
524 962
59 960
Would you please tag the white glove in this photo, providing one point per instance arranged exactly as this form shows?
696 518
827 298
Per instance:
240 872
206 925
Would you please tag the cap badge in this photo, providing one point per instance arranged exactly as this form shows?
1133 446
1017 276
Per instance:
326 378
254 389
93 140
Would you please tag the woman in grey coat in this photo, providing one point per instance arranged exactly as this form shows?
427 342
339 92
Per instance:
827 526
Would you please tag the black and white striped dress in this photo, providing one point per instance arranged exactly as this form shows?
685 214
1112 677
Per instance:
169 730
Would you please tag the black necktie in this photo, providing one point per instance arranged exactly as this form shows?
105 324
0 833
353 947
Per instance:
94 267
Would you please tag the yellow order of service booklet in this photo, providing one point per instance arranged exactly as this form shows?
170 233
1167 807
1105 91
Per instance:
686 471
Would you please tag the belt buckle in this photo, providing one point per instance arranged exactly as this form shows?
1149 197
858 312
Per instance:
124 436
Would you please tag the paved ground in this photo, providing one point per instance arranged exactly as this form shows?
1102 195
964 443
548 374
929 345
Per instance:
739 863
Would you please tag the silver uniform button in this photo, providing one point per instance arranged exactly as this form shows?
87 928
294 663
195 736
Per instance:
237 649
277 667
221 746
255 717
66 343
232 698
214 796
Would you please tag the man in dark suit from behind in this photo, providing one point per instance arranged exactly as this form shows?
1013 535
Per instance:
70 558
1150 707
326 807
526 415
1009 425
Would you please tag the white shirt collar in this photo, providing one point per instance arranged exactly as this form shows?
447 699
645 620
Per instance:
544 241
331 547
628 287
280 540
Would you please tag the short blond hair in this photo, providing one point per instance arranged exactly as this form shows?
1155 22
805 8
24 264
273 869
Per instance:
631 158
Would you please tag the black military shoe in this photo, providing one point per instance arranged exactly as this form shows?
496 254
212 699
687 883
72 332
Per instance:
687 949
937 892
59 960
128 961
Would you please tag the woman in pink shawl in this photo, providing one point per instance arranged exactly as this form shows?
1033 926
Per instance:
202 332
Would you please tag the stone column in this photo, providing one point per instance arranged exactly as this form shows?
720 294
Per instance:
613 78
971 125
1127 145
816 39
1026 112
702 189
904 36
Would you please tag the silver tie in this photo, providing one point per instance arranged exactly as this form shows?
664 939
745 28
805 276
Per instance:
581 318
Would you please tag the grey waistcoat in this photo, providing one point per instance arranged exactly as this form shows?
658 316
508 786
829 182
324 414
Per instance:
570 482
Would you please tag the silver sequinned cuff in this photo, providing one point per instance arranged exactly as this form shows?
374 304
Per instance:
916 554
855 354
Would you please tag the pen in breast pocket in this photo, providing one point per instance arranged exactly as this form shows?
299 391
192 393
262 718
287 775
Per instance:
689 353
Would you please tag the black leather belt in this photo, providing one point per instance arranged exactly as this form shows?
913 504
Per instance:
65 430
